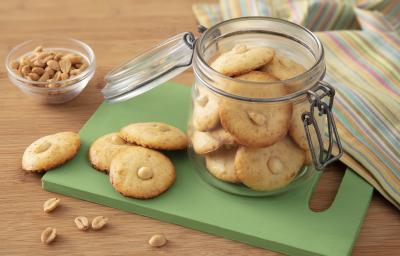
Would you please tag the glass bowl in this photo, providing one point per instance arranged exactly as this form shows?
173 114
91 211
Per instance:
64 90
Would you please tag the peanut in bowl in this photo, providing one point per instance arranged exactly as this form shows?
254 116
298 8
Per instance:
54 71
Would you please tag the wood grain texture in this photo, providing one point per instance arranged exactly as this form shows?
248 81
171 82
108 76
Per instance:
116 30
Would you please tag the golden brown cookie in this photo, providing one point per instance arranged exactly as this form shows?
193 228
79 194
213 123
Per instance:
283 68
256 124
221 164
103 150
269 168
155 135
50 151
257 76
224 137
204 142
141 173
241 60
205 111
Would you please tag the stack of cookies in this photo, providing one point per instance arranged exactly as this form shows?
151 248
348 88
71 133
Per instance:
262 145
135 168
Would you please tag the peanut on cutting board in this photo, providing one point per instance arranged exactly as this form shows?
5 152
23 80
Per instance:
43 65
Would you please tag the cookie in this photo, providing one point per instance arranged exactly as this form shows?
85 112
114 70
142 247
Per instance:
283 68
224 137
221 164
141 172
155 135
50 151
205 111
256 124
204 142
103 150
257 76
241 60
269 168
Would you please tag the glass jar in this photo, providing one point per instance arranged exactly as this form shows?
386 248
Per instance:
248 137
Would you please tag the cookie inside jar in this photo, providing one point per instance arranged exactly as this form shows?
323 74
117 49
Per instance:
245 145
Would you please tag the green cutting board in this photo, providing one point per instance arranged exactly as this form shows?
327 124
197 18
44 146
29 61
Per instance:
282 223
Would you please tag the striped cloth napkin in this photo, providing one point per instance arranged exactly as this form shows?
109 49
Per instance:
362 44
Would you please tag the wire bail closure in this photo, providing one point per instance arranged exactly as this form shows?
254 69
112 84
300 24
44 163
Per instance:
315 97
189 39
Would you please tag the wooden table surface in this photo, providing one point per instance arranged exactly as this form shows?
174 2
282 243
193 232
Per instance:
116 30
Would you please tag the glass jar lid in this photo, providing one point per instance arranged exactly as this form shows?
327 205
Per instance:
150 69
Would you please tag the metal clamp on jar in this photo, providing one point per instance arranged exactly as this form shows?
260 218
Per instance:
253 133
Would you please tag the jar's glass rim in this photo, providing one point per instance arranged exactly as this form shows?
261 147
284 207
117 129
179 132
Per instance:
293 95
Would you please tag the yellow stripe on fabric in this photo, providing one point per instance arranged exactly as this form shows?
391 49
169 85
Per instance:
236 9
369 159
207 15
333 22
338 74
370 55
374 55
366 156
391 12
297 9
379 170
360 64
388 37
343 109
368 90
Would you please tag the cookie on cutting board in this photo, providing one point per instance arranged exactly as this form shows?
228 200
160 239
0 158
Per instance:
103 149
155 135
141 172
